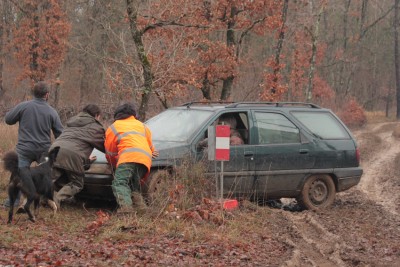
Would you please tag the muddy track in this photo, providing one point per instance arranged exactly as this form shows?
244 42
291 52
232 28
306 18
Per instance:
313 244
340 235
377 170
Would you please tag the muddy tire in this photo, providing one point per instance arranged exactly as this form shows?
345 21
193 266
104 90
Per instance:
318 192
156 185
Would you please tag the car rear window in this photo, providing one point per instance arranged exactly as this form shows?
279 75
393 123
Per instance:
322 124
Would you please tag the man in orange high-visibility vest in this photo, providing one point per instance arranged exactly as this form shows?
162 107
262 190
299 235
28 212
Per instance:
129 147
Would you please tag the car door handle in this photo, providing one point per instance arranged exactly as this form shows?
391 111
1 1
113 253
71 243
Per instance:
303 151
249 154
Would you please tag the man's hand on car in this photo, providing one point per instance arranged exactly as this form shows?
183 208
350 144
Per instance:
92 159
155 154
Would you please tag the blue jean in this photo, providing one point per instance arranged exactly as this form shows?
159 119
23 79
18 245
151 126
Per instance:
24 161
26 158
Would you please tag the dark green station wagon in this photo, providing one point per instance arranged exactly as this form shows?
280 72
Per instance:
288 150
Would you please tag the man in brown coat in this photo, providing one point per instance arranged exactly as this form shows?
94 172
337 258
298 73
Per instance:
83 133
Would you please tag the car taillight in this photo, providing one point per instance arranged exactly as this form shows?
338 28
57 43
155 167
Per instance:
358 157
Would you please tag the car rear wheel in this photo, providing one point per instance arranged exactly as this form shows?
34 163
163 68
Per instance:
318 192
155 187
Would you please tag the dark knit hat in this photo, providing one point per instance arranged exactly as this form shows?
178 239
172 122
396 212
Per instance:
124 111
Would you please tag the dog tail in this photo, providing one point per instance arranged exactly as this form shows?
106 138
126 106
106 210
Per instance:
10 160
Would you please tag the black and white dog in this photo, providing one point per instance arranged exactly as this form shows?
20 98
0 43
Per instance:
33 182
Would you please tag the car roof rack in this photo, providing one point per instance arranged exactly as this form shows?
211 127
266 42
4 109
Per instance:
276 104
210 103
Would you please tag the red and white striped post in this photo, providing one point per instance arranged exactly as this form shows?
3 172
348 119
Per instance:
222 139
219 150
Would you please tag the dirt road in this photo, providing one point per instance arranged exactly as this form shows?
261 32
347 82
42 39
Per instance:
363 226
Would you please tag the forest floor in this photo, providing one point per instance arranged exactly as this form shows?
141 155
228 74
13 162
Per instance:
362 228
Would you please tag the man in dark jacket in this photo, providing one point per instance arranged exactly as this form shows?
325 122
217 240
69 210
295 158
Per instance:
83 133
37 119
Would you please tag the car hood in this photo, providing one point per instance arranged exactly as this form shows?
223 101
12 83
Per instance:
170 152
166 145
100 165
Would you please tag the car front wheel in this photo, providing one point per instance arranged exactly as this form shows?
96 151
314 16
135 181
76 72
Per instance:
318 192
155 185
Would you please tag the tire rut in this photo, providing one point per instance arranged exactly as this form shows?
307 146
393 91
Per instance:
373 182
313 244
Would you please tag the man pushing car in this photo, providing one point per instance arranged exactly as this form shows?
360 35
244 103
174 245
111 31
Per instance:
129 148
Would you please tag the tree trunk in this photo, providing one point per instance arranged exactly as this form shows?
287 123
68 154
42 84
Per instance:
84 84
34 66
340 88
314 37
57 91
397 56
230 42
2 27
387 102
205 88
364 6
277 67
227 87
132 10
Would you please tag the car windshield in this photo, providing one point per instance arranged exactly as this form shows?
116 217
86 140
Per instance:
176 125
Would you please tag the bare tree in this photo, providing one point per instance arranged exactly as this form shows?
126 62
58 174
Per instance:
2 22
281 38
132 7
5 12
314 41
397 54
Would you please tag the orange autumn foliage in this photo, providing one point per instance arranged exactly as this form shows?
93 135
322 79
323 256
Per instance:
202 48
40 37
352 114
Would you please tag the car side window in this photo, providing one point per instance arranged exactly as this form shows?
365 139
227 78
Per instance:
322 124
239 127
274 128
